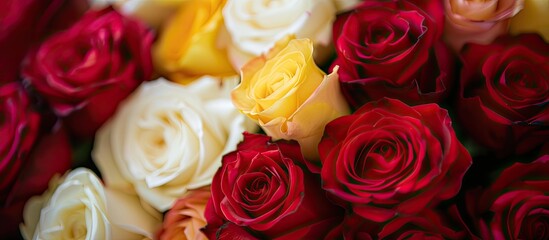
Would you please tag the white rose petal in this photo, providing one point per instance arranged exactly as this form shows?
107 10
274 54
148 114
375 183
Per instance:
254 26
167 138
79 207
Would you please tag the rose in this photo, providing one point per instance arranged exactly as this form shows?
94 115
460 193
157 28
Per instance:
79 207
27 158
389 159
230 230
264 186
289 96
477 21
254 27
19 125
154 12
515 205
50 155
85 71
186 217
427 224
166 139
25 22
529 19
503 94
392 49
189 45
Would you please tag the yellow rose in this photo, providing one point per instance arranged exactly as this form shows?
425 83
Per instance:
533 18
188 47
289 96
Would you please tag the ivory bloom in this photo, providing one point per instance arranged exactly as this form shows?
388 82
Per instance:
533 18
167 138
79 207
189 47
254 26
152 12
478 21
289 96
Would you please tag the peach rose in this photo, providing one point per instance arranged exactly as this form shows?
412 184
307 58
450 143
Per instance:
478 21
186 217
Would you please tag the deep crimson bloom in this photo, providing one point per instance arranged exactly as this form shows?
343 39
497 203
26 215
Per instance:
427 224
516 205
85 71
28 158
504 93
19 126
391 159
24 23
393 49
266 188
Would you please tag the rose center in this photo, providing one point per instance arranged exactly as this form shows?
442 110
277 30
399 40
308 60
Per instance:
373 161
536 226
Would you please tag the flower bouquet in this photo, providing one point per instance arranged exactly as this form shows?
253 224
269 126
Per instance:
297 119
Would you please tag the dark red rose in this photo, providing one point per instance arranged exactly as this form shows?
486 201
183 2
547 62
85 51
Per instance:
19 127
504 93
393 49
265 187
50 155
391 159
230 231
516 205
85 71
427 224
25 22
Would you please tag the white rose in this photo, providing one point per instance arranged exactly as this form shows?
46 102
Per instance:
152 12
79 207
167 138
254 26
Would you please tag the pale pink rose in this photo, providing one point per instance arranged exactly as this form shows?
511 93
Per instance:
478 21
186 217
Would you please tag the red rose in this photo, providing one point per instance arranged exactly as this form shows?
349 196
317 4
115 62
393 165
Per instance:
504 93
26 164
427 224
516 205
25 22
85 71
393 49
389 158
19 126
265 187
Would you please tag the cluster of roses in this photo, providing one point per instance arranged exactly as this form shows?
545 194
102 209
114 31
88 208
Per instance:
364 152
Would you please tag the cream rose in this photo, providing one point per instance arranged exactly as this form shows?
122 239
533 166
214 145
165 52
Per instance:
167 138
79 207
478 21
533 18
289 96
152 12
254 26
